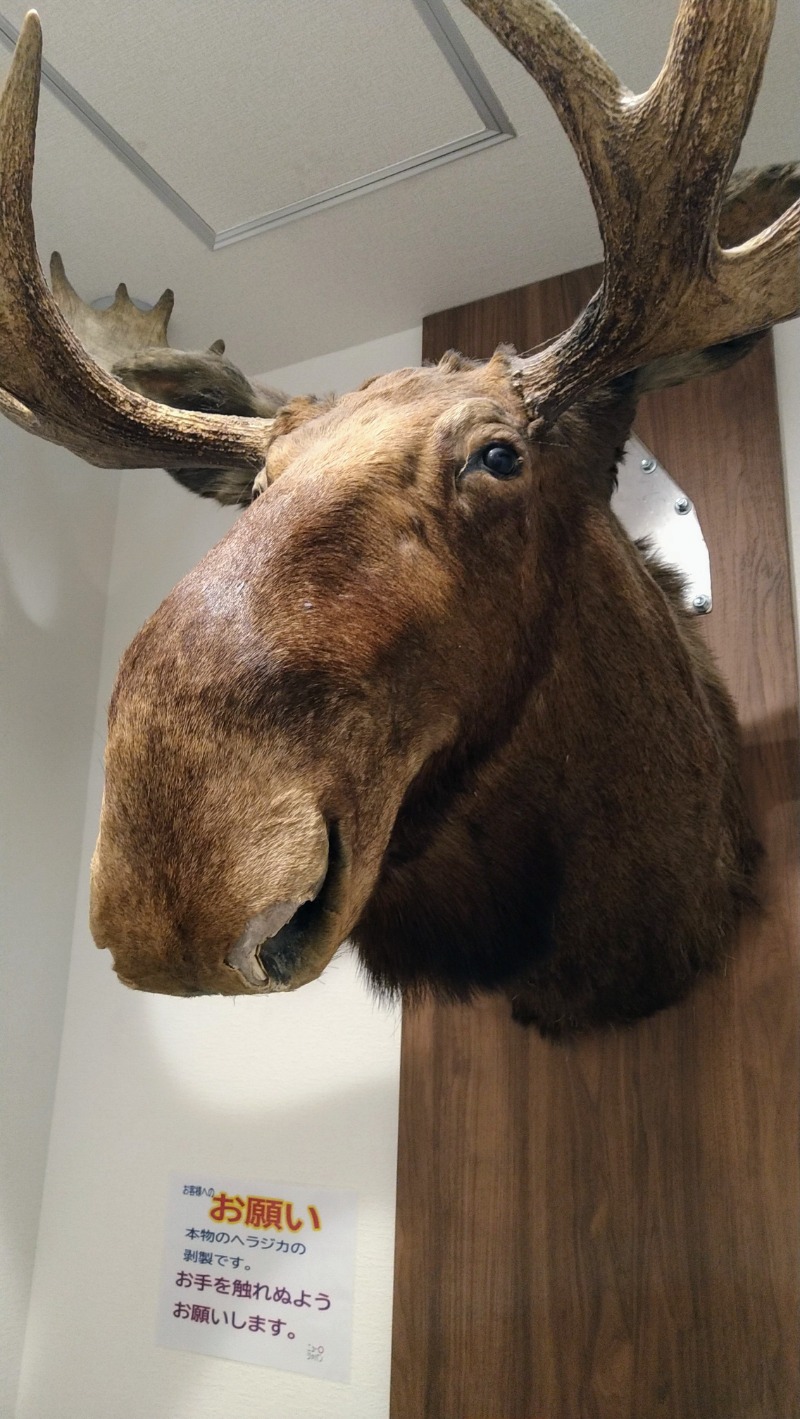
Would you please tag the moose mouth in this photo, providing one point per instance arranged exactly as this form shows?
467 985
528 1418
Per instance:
289 943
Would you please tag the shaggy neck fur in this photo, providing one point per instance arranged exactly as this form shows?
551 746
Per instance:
555 867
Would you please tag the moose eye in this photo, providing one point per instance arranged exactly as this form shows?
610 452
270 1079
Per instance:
500 459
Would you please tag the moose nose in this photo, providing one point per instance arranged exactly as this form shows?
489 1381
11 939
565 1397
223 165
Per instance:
175 929
267 950
290 942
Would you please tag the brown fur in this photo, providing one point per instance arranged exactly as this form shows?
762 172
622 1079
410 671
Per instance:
524 758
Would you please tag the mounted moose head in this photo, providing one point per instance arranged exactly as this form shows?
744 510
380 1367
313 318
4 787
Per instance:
426 693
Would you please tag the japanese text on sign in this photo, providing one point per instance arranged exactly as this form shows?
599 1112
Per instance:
275 1268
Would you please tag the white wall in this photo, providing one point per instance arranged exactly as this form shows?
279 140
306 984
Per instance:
55 544
301 1088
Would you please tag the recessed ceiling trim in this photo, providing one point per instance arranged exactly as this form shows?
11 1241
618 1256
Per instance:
446 34
382 177
74 100
495 128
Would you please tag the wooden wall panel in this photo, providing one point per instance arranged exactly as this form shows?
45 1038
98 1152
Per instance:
611 1229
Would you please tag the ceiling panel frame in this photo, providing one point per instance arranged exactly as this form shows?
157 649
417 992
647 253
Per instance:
495 128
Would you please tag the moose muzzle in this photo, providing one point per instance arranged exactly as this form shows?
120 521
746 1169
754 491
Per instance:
264 916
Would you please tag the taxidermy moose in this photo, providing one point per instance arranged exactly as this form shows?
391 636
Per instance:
426 694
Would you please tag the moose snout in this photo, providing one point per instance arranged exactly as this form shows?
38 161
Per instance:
269 953
291 943
264 918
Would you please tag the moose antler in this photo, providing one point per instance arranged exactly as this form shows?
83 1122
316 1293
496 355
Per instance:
117 332
132 345
657 165
49 384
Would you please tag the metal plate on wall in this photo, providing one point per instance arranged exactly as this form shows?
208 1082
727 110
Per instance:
649 504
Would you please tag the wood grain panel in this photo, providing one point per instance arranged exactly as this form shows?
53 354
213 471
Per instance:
611 1229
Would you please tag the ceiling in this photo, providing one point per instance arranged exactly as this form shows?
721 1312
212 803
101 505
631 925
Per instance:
361 148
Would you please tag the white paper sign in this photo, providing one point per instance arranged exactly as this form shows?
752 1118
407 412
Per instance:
260 1272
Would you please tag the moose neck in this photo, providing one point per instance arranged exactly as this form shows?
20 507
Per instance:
476 852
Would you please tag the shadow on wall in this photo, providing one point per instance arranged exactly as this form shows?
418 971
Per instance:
299 1088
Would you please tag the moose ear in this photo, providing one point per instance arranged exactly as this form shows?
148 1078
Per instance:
754 198
131 344
233 487
196 379
227 485
204 381
677 369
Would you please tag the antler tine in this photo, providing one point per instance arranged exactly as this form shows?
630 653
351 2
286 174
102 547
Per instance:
657 165
701 103
48 383
581 87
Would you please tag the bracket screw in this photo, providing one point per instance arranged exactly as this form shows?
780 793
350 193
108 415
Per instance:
648 465
682 504
702 604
